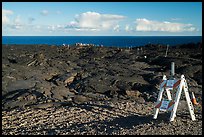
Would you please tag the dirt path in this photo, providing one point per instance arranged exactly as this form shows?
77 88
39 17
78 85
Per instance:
100 118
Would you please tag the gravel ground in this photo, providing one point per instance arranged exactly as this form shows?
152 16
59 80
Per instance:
110 117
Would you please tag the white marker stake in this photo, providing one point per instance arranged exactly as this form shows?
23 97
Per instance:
166 50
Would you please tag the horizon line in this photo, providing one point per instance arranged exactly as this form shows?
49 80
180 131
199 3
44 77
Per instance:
105 36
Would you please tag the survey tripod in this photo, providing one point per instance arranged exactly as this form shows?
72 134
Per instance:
171 104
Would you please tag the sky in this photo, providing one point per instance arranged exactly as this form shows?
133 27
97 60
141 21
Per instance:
101 18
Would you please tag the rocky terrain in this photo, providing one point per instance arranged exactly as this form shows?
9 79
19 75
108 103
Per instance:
95 90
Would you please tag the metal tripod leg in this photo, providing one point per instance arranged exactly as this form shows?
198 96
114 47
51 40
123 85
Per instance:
158 100
190 105
178 94
156 111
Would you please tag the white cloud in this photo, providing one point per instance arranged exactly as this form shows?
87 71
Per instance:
51 28
31 19
86 29
127 28
176 19
17 20
55 27
44 12
37 28
10 25
16 26
165 26
5 13
116 28
72 24
93 21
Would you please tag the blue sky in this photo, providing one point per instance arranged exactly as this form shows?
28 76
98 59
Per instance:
102 18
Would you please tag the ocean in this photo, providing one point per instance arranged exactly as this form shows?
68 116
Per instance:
114 41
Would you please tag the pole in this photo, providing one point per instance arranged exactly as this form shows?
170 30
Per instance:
166 50
172 70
